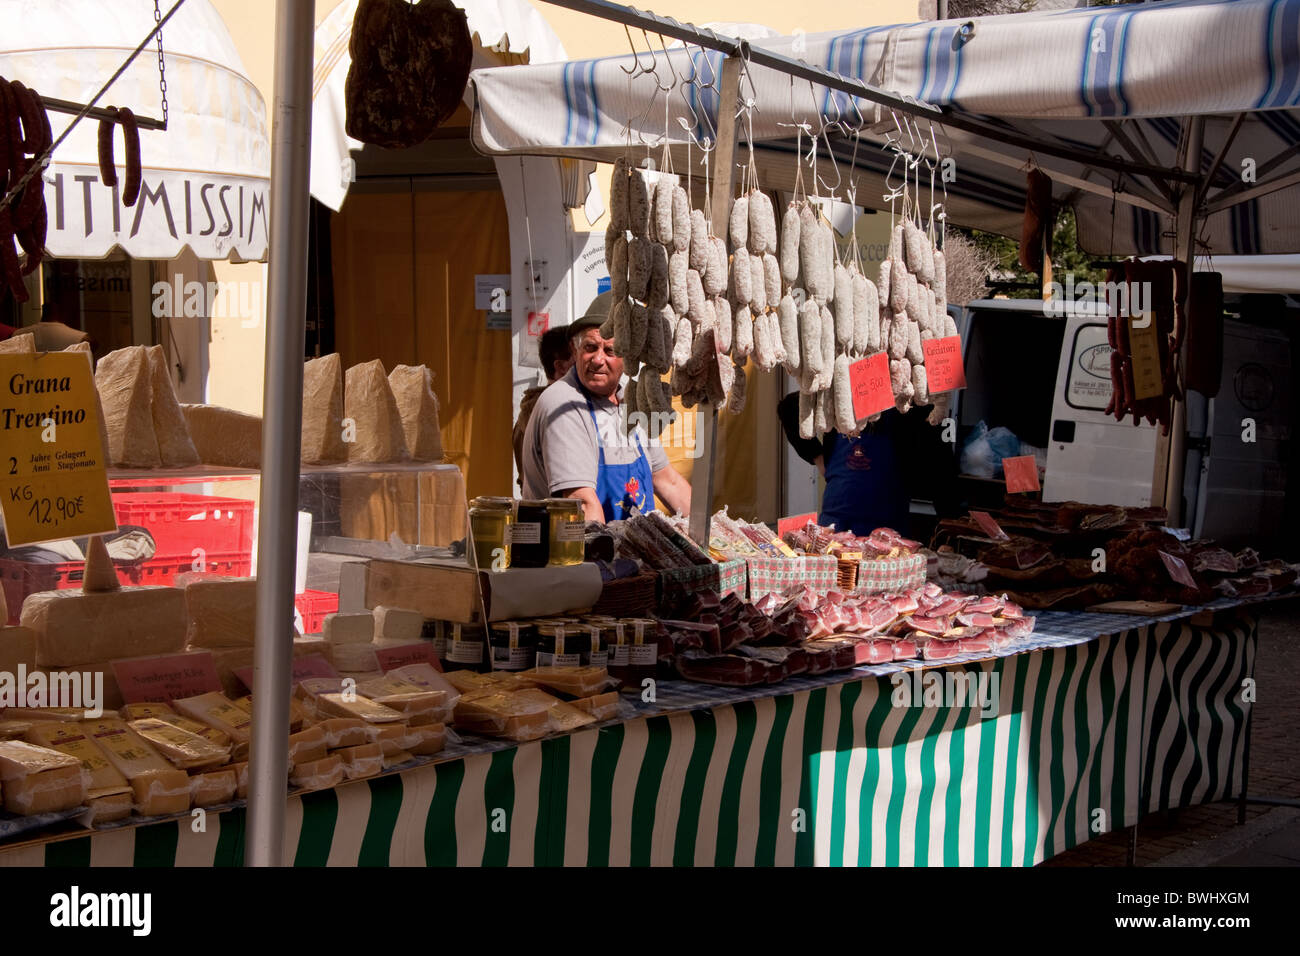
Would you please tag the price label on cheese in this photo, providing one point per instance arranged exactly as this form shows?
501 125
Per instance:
794 523
309 667
1144 353
391 658
943 366
872 391
146 680
1021 473
53 481
990 526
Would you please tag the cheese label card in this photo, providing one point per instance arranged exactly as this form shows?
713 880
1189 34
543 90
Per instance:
794 523
943 366
1144 353
1021 473
168 677
308 666
53 480
872 390
391 658
990 526
1177 569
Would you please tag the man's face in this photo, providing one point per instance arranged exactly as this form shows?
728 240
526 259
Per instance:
599 369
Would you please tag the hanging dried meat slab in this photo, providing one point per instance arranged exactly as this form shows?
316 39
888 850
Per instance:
410 63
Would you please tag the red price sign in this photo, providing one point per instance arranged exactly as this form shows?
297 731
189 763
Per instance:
149 680
391 658
943 367
538 322
1021 473
313 665
794 523
989 526
872 390
1177 569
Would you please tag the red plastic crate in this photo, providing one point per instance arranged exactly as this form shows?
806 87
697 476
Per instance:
313 606
21 578
181 522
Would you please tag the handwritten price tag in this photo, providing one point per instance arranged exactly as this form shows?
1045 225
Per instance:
943 366
304 668
149 680
53 482
872 390
1021 473
1144 351
989 526
391 658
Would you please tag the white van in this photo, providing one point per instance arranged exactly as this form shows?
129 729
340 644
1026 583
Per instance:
1046 377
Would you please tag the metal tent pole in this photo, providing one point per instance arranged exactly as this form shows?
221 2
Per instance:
277 529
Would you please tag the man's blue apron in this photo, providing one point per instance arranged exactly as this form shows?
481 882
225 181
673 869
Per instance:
864 484
623 490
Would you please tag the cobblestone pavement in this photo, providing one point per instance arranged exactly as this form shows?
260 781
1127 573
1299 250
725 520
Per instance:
1208 835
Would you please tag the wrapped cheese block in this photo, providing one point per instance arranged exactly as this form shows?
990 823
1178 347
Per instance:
175 447
372 411
222 612
185 750
362 760
357 627
308 745
223 436
397 624
319 774
38 779
353 705
211 787
601 706
392 738
159 788
428 739
74 627
217 711
124 381
412 387
240 770
344 731
322 410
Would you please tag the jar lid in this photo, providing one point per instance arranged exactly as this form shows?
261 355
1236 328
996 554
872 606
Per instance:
492 503
530 503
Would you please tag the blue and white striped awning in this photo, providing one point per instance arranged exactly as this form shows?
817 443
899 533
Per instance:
1122 81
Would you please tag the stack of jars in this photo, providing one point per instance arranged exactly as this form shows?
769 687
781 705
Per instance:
526 534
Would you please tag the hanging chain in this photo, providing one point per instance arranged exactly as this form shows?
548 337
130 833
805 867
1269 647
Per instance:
162 63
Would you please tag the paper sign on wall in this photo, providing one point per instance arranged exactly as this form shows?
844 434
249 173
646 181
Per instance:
872 391
943 365
1021 473
53 482
148 680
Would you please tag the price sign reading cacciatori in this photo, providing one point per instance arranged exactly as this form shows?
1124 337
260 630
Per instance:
53 482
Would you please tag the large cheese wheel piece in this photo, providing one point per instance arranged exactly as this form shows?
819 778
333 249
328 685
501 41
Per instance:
20 343
76 627
369 404
222 612
125 385
175 447
412 387
223 436
322 410
17 646
84 349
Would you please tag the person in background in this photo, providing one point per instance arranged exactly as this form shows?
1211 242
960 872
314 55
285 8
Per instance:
556 354
871 479
576 444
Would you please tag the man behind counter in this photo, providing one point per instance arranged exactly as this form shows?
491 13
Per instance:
575 444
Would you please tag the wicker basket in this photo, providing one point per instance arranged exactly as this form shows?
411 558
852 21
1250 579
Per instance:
627 597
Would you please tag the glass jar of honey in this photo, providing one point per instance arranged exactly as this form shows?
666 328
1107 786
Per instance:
514 645
530 541
568 524
490 521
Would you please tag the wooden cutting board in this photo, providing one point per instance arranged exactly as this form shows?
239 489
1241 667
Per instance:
1142 608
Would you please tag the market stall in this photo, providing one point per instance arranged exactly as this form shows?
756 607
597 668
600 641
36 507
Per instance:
1095 721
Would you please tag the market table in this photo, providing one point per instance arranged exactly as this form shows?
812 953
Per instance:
1099 719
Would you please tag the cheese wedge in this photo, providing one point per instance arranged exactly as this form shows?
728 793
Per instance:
600 706
39 780
84 349
102 778
363 760
99 574
185 750
412 387
322 410
354 705
217 711
308 746
223 436
397 758
175 447
369 403
343 732
194 727
319 774
125 387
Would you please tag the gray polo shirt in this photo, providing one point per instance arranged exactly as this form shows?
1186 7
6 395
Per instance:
560 447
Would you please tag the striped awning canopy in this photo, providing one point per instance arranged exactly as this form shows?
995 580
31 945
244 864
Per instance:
1101 99
205 177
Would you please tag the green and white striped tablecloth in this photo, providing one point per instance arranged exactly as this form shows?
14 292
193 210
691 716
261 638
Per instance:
1086 738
